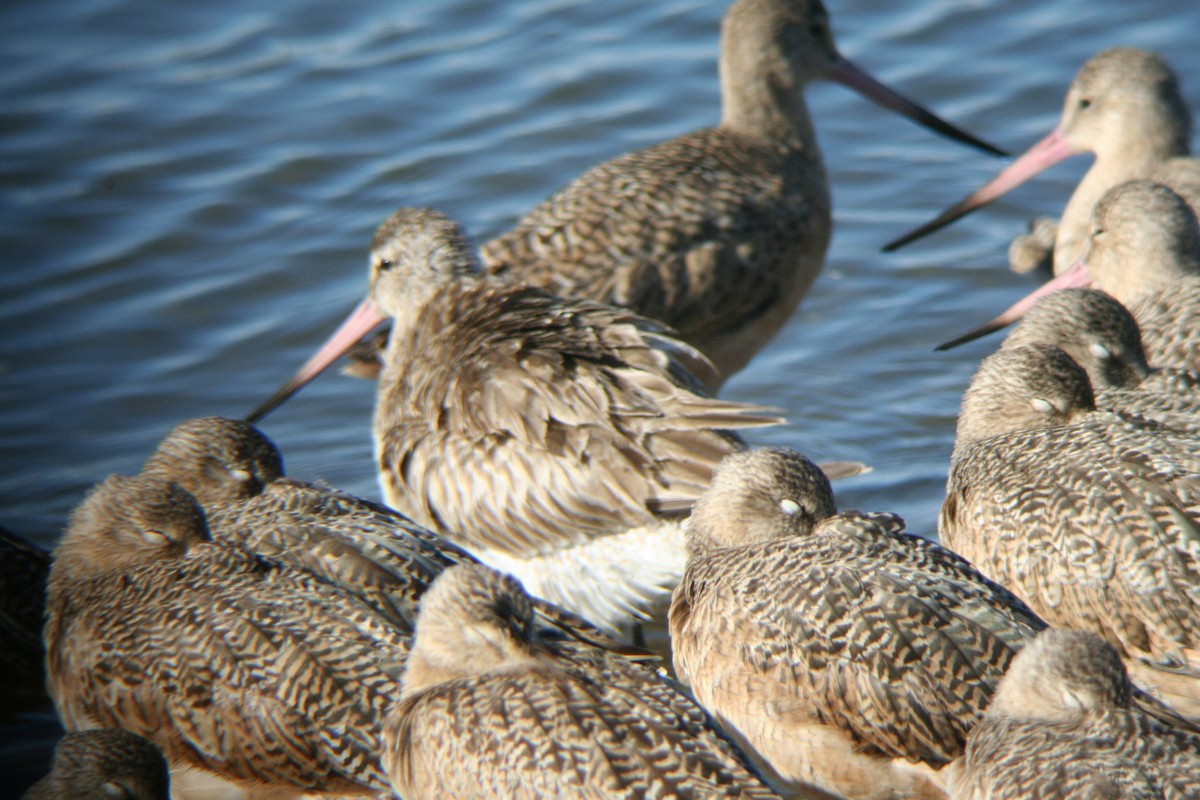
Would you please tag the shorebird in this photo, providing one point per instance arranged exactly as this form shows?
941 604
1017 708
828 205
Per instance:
236 666
380 556
836 647
559 440
1061 725
23 570
1124 106
1090 517
106 764
718 233
1144 250
1100 335
491 710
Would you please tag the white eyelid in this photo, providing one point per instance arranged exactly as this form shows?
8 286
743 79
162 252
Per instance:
789 506
1099 350
240 475
1041 405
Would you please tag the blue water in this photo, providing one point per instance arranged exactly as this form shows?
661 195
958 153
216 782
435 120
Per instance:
188 192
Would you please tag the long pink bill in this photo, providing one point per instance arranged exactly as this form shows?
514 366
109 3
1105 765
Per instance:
1077 277
1043 155
361 321
847 74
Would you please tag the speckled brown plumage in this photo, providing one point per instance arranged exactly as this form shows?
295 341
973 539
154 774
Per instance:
720 232
837 646
231 663
361 547
23 570
1145 251
105 764
557 439
1100 335
1088 516
1062 726
491 710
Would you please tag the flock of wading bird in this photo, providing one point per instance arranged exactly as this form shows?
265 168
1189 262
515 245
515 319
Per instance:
546 407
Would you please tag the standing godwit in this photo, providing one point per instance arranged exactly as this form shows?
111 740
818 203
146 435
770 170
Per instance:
839 649
1089 517
1143 249
1062 726
106 764
1125 106
234 665
490 710
718 233
560 440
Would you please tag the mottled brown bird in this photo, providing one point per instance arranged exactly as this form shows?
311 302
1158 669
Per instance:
1126 107
234 665
104 764
718 233
1091 517
560 440
1062 725
369 550
840 649
1100 335
491 710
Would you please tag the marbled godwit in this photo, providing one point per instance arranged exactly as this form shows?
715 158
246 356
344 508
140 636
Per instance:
490 710
369 550
1125 106
838 648
107 764
1144 250
721 232
1062 726
1101 336
234 665
1090 517
556 439
23 570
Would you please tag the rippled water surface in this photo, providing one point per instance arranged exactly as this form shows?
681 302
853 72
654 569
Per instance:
189 190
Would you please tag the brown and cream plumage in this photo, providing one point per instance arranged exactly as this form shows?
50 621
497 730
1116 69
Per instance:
837 647
1090 517
369 550
718 233
104 764
1145 251
233 664
1101 335
1062 725
556 439
1126 107
491 710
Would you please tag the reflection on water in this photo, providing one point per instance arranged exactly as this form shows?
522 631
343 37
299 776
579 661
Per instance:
189 192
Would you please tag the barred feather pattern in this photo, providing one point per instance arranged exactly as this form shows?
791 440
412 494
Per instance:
890 640
1062 726
1170 322
718 233
229 662
1096 525
515 716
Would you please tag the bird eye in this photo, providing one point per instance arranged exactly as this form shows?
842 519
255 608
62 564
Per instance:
1100 351
240 475
789 506
385 264
816 30
1085 102
1041 406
